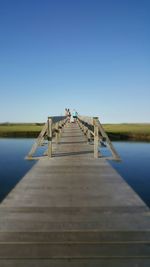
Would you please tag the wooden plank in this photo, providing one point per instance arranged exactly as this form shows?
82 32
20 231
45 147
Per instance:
65 262
73 250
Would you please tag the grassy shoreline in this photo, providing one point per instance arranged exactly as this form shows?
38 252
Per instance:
136 132
20 129
128 131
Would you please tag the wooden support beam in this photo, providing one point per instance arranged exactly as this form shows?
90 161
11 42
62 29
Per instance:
38 141
42 141
47 130
85 130
89 136
86 119
57 133
59 129
108 142
79 122
90 127
96 140
49 137
86 124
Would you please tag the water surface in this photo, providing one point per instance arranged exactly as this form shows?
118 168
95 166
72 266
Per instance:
13 166
134 168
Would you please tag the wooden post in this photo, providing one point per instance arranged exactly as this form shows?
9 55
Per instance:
85 130
96 139
42 141
59 130
39 140
79 123
82 125
49 137
57 133
62 125
89 136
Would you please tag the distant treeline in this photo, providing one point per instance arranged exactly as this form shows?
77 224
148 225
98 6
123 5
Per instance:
137 131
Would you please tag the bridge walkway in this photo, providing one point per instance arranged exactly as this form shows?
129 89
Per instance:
73 210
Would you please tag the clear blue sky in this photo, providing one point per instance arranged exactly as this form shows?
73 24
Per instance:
91 55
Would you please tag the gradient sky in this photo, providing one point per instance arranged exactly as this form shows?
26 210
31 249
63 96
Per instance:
91 55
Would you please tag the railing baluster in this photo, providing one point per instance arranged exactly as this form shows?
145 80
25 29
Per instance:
96 139
49 137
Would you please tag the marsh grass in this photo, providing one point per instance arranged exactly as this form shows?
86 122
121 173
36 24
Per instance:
20 130
135 131
125 131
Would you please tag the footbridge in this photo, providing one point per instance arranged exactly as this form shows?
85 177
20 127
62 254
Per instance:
73 208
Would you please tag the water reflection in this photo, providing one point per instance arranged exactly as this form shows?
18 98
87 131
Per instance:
135 165
13 166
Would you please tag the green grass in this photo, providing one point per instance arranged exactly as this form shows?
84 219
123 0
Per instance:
137 131
20 130
115 131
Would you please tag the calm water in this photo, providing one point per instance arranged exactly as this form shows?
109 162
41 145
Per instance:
13 166
135 165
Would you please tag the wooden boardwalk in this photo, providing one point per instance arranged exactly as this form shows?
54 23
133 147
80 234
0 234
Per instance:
74 210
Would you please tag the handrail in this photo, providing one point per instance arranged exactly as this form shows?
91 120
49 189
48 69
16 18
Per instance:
108 142
53 127
92 126
57 118
86 119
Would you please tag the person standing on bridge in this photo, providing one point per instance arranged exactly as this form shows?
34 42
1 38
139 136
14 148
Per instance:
75 114
69 115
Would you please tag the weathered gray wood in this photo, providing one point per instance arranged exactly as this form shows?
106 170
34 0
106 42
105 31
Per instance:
86 119
60 130
89 136
49 137
89 121
57 132
96 140
55 121
74 210
38 141
85 130
88 262
103 237
70 250
108 142
57 118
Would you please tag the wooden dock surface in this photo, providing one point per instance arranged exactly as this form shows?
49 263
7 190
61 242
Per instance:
74 210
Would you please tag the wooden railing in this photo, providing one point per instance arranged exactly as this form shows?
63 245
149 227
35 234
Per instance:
92 127
53 127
